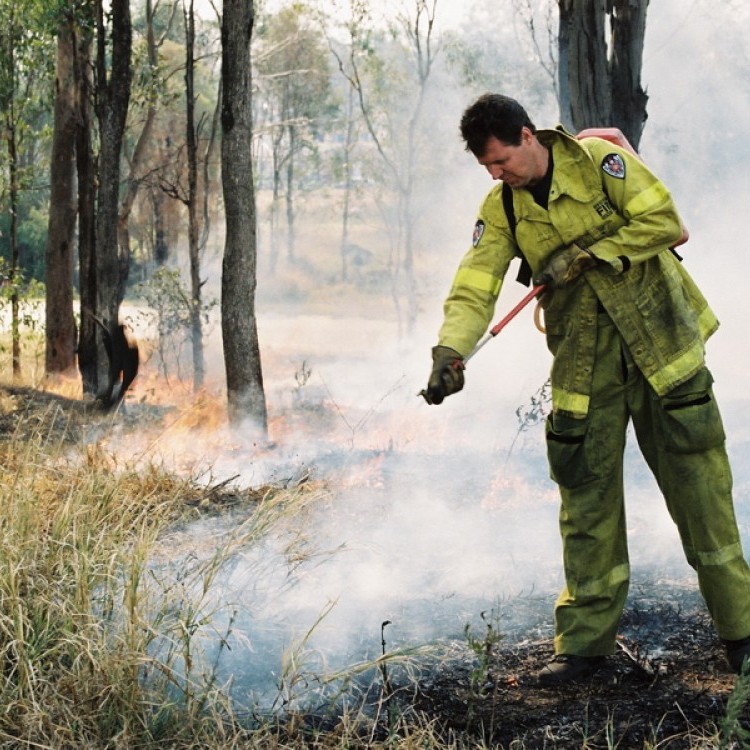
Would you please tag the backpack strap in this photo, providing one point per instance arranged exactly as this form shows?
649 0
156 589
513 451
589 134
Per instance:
524 271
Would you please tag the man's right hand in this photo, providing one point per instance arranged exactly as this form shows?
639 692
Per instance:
565 266
447 375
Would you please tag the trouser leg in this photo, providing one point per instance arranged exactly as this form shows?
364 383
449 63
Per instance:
682 438
586 458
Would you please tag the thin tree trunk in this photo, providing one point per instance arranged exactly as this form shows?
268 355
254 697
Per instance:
14 275
348 148
161 249
273 244
196 304
133 181
289 197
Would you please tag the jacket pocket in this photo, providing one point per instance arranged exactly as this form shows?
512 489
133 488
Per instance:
569 452
689 417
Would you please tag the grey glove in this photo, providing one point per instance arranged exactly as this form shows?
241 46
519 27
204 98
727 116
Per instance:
565 266
447 375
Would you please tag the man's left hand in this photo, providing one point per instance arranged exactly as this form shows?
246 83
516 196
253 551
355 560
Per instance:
565 266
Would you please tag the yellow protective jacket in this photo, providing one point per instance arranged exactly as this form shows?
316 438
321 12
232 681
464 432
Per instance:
605 199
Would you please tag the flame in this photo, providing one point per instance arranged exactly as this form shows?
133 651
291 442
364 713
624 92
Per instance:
510 491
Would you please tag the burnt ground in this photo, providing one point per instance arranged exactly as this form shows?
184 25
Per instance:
668 685
26 413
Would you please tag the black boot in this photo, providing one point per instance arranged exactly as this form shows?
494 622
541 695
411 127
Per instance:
567 668
737 653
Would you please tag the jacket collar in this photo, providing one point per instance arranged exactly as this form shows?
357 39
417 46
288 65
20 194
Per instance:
574 173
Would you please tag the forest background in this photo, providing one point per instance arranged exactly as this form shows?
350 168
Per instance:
365 197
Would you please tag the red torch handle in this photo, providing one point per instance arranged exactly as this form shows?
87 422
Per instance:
517 309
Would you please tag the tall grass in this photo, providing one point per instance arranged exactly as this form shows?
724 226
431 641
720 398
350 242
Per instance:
75 534
93 651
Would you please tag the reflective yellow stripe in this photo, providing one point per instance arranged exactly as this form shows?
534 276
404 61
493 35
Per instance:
575 404
666 378
719 556
481 280
647 199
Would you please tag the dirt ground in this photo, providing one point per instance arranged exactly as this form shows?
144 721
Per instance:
668 685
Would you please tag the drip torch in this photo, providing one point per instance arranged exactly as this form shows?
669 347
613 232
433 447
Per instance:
535 292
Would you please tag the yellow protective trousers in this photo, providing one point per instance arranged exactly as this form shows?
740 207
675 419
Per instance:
682 439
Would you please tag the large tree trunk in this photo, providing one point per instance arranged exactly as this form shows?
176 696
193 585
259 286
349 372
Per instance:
601 86
246 399
60 324
628 97
112 99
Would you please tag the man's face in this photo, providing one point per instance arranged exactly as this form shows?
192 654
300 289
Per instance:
518 166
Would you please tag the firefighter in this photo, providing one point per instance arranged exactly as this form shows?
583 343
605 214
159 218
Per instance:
626 326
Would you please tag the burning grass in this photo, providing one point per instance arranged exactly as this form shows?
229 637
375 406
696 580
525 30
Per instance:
100 649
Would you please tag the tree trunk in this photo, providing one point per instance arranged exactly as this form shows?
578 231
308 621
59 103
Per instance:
246 399
628 97
86 173
137 161
599 86
14 275
112 99
273 244
348 150
289 197
161 249
60 324
196 303
8 133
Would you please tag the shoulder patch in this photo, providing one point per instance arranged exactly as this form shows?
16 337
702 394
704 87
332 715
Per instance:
478 232
614 166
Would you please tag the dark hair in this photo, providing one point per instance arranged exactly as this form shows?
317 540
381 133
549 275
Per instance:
493 115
